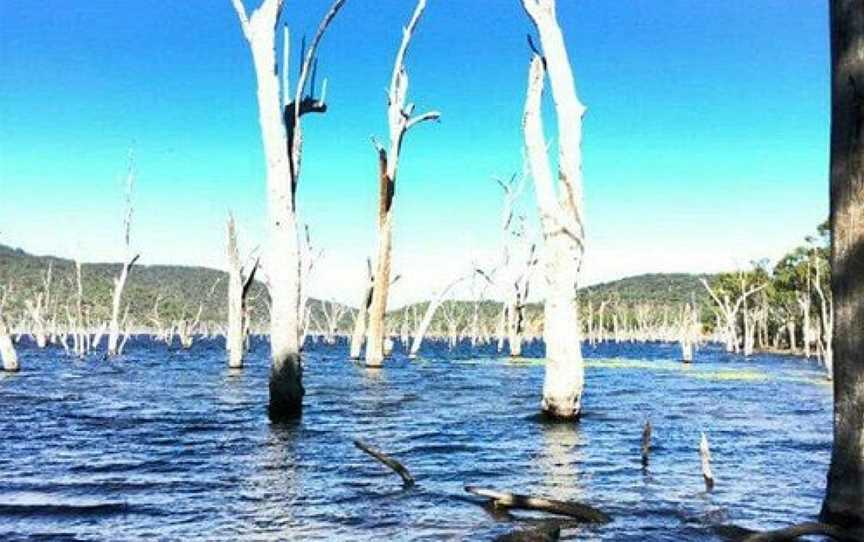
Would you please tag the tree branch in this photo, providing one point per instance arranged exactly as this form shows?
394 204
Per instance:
431 115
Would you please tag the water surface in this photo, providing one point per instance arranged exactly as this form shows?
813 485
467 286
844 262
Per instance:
169 444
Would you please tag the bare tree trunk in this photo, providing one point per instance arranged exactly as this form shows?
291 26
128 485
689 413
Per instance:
37 309
427 317
560 210
7 350
238 290
790 329
826 323
399 120
844 496
282 139
128 262
357 338
807 328
500 329
81 332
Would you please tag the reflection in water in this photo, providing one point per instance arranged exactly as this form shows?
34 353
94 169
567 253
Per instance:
560 458
274 478
374 375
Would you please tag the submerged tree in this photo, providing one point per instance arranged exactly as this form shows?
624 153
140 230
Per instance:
114 347
361 318
8 356
560 211
844 497
400 120
282 139
239 283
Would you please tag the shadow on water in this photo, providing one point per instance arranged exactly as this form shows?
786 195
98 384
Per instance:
167 443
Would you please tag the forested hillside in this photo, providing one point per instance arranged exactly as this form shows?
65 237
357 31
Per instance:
181 291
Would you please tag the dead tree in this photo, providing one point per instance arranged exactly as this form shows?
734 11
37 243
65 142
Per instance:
8 356
239 284
80 331
427 317
400 118
844 496
37 309
282 139
361 318
186 329
560 209
452 320
488 281
688 332
128 262
729 310
826 321
309 257
333 313
516 305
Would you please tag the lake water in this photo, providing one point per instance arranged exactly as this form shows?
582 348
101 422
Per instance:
168 444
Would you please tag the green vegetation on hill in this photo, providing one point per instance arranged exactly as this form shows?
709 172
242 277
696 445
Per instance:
182 290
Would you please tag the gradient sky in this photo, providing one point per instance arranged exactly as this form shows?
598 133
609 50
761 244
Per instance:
705 142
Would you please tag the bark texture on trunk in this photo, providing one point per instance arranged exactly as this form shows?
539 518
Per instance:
560 211
844 496
282 140
399 117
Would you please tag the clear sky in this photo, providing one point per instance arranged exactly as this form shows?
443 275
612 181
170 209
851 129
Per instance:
705 142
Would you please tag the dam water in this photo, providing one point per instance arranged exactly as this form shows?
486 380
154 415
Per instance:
168 444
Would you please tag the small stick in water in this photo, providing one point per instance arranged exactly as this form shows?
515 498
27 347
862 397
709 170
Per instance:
646 443
705 454
398 468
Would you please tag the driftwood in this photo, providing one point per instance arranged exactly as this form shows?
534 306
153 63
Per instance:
398 468
799 530
646 443
577 510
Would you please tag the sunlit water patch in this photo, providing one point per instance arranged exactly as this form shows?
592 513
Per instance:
170 444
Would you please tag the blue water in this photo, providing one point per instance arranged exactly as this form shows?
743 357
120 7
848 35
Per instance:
169 444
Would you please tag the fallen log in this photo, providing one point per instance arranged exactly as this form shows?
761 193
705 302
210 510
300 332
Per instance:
576 510
805 529
398 468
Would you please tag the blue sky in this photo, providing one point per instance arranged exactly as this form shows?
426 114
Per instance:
705 141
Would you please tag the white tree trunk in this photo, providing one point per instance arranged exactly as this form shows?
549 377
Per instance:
427 317
282 140
128 262
359 335
7 350
560 212
399 120
234 337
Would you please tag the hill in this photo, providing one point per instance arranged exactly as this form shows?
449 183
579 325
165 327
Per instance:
181 290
